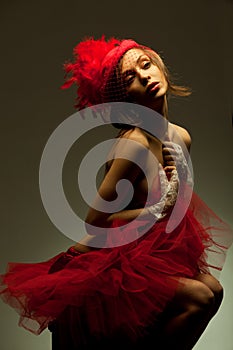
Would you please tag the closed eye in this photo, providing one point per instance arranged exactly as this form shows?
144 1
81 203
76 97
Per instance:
146 64
128 76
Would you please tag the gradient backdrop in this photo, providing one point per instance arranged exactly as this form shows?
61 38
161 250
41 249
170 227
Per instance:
195 40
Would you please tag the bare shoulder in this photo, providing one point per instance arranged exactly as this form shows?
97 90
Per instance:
125 153
184 134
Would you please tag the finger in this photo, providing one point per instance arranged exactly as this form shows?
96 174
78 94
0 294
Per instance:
170 163
168 158
169 168
168 150
168 143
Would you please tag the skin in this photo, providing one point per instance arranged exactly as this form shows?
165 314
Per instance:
198 299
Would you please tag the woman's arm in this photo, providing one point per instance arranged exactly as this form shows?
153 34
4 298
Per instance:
128 164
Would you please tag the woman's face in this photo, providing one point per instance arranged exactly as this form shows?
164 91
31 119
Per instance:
145 82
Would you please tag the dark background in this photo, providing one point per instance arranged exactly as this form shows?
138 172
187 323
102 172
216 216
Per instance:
195 41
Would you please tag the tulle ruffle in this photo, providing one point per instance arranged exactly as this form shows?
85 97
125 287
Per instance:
122 289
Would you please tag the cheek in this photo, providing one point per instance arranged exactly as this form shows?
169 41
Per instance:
135 89
135 94
158 73
165 83
164 80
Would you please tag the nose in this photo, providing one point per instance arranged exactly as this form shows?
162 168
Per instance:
143 77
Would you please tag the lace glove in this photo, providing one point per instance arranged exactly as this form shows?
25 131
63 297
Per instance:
181 164
169 191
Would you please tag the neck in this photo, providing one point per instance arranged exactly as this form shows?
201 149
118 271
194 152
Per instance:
161 106
154 123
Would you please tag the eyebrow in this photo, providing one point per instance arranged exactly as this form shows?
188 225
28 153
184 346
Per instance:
140 57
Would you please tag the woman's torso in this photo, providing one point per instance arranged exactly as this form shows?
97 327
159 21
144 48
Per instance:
175 134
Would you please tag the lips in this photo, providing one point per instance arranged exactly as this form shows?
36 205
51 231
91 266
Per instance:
152 88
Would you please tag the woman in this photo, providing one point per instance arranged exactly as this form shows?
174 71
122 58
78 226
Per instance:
129 280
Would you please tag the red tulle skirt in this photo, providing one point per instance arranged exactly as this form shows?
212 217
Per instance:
120 290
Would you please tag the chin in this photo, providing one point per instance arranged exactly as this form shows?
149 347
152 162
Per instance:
161 93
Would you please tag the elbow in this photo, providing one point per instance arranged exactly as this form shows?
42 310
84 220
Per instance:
96 223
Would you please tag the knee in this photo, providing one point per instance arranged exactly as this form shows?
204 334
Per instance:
210 298
196 298
214 285
218 295
201 301
218 292
204 300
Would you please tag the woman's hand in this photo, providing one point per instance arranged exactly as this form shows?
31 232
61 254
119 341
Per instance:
169 158
169 192
174 159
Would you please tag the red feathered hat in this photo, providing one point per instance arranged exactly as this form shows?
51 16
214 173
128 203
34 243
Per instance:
93 66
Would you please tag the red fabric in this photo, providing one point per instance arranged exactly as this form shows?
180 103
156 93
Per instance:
117 289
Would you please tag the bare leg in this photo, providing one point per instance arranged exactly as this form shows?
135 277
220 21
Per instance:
214 285
195 303
217 290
